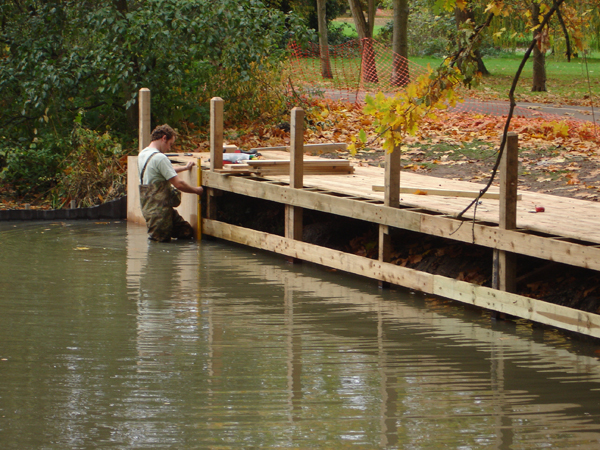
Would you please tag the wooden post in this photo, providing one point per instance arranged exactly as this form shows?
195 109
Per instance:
297 148
144 121
216 152
505 268
216 133
293 214
391 199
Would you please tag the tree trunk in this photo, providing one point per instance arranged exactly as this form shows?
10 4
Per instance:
462 17
369 67
371 11
121 6
323 44
539 53
359 19
400 73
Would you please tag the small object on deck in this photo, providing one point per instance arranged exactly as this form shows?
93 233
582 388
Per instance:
235 157
539 209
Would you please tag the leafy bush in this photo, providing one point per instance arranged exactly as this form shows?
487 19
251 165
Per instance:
31 168
441 32
58 58
339 33
94 171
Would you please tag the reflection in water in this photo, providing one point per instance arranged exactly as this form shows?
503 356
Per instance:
108 340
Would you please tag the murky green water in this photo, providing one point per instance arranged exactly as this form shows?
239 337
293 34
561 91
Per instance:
108 341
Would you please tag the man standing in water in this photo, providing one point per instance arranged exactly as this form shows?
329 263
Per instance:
158 198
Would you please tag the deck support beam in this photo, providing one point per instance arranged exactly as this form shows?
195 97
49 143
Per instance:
294 214
505 263
392 200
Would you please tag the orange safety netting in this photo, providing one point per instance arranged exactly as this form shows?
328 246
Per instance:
358 68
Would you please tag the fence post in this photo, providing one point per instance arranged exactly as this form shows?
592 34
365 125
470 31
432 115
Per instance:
505 267
144 124
293 214
392 200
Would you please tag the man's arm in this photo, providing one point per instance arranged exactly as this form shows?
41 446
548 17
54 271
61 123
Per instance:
178 183
188 166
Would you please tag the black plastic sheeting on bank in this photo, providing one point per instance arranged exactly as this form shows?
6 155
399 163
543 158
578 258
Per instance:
117 209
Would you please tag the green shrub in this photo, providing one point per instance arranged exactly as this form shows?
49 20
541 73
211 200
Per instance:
94 171
31 168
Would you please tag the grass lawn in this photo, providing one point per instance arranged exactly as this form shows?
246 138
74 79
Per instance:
566 81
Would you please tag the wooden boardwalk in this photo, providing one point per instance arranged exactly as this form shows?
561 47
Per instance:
565 217
567 232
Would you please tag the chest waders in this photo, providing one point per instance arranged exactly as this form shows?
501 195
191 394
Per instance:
158 200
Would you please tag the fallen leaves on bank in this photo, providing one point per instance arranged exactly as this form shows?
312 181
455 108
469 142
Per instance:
554 154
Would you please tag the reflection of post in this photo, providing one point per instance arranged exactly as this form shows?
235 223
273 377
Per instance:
503 422
199 207
294 356
389 395
293 214
504 277
392 199
216 151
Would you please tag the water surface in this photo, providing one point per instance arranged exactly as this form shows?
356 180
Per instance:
110 341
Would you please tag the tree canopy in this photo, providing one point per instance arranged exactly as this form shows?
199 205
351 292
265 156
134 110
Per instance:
59 58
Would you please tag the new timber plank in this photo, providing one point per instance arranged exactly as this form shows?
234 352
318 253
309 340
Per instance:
516 305
443 192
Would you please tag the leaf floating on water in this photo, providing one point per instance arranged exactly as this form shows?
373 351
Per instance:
81 248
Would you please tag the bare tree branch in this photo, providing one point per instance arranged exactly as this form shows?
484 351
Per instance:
513 104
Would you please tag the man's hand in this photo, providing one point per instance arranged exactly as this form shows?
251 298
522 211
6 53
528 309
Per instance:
188 166
178 183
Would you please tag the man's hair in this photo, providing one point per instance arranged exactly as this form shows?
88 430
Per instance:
163 130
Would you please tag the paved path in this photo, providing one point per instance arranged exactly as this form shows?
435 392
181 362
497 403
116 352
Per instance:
500 108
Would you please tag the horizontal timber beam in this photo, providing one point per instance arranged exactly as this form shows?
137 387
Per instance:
444 192
435 225
515 305
319 148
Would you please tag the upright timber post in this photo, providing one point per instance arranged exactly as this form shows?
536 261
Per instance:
144 120
216 133
293 214
216 151
505 267
391 199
